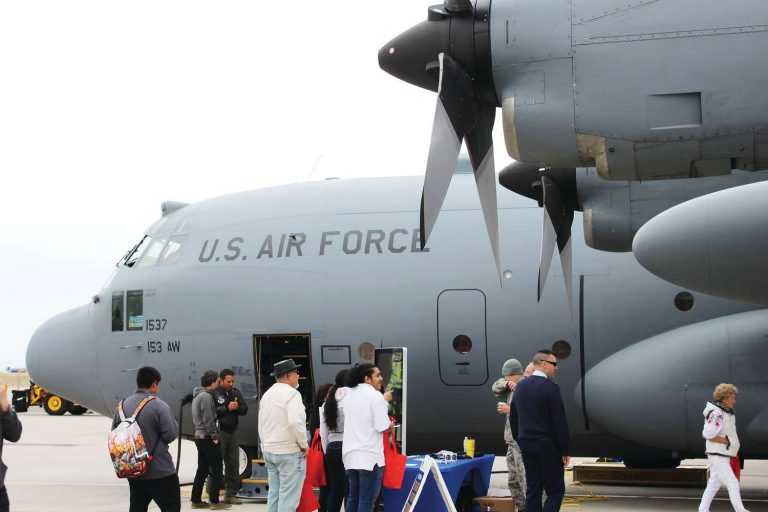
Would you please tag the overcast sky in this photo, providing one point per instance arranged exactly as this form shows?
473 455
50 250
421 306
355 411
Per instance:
109 108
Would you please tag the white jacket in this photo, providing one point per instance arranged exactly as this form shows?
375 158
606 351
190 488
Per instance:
326 434
282 420
719 422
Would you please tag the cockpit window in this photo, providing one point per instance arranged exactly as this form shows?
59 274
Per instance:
162 245
135 309
152 253
117 311
130 259
172 250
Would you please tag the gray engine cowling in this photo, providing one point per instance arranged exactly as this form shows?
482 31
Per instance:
665 411
615 210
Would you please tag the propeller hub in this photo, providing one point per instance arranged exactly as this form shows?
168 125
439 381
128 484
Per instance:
454 28
525 179
412 56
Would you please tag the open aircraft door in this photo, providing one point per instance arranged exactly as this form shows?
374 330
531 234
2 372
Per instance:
393 363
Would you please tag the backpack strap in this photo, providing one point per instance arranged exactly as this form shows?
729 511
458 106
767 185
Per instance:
140 407
120 411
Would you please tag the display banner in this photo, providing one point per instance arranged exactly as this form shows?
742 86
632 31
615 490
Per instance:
429 466
393 363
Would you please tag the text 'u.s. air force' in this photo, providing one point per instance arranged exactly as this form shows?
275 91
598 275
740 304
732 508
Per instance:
292 245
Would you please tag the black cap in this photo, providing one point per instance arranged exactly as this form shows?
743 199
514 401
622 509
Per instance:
283 367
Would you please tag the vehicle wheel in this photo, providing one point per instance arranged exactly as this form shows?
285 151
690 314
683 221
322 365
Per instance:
55 405
651 462
77 410
247 454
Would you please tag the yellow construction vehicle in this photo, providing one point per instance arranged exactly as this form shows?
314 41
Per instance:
53 404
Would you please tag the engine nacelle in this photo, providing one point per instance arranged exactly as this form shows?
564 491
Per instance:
642 90
614 211
715 244
665 411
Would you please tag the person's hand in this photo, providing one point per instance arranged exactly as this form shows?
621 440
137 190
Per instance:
303 450
720 440
566 461
215 441
502 408
511 385
388 396
232 406
5 405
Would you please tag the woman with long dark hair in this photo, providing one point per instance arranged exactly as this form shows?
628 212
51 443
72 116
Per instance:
332 435
317 401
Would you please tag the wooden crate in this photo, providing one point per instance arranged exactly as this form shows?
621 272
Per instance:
618 474
493 504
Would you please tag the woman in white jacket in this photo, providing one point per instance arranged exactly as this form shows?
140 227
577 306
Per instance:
722 445
332 436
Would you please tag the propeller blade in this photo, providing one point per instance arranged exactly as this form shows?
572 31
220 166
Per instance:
480 148
454 115
548 238
558 219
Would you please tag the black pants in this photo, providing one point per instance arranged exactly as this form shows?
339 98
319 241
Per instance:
543 471
335 491
208 463
3 500
164 491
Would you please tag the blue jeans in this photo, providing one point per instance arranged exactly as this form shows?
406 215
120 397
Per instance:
364 488
285 473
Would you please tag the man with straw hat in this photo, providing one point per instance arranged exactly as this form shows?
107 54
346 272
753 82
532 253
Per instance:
283 435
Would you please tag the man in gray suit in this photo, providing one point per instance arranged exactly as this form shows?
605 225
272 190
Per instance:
10 430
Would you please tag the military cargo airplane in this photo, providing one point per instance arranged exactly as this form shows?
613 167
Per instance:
325 272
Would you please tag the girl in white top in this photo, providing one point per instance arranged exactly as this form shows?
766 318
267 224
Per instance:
332 436
722 445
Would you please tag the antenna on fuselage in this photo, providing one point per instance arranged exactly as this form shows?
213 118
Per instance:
168 207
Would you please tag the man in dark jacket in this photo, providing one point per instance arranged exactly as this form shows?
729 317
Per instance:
230 405
10 430
207 438
158 426
538 420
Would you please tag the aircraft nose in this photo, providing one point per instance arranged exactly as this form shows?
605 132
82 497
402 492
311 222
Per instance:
61 357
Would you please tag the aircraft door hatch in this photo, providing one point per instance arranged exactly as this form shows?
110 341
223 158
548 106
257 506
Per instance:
268 349
462 344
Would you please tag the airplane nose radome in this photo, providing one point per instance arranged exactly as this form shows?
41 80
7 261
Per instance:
61 357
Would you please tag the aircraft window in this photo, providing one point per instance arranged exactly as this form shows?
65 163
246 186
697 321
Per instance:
462 344
152 254
684 301
135 309
561 349
135 253
172 250
117 311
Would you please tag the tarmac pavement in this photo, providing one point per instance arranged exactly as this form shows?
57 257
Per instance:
61 464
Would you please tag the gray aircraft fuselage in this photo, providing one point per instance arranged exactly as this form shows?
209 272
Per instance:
340 261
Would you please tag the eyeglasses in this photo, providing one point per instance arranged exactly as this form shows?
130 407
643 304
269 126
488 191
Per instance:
553 363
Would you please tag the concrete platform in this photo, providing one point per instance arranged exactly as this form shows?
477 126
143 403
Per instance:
62 465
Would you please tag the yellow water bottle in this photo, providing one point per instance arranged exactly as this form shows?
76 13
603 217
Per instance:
469 446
